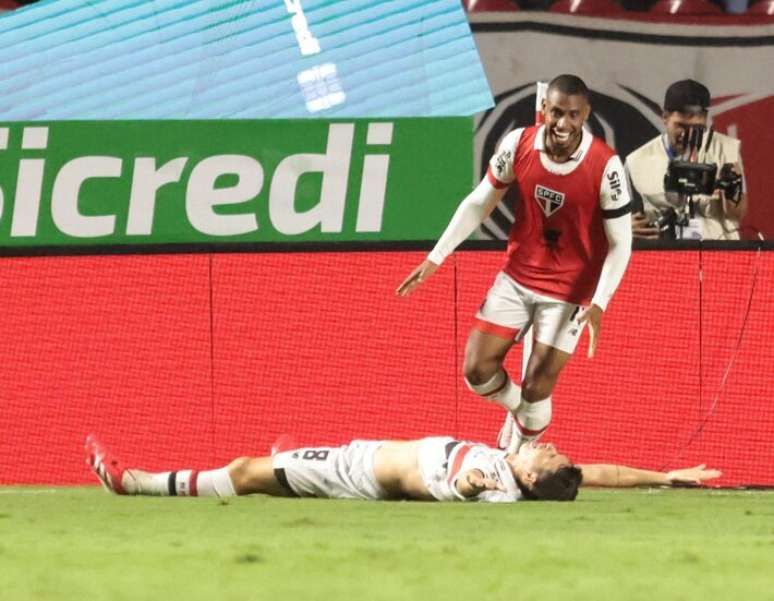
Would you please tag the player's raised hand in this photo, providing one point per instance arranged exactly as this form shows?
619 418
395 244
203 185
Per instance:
416 277
692 476
593 315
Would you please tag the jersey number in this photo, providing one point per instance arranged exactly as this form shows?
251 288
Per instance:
316 455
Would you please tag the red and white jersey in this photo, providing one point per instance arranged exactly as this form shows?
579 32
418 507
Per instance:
442 460
557 243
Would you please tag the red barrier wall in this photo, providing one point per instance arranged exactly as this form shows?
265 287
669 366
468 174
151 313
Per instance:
188 361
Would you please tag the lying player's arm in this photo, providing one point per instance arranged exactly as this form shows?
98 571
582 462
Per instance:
621 476
473 482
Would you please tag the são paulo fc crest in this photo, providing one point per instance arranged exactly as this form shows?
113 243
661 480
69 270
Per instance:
550 201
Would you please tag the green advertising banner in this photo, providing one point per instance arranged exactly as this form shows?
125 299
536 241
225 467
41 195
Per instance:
114 183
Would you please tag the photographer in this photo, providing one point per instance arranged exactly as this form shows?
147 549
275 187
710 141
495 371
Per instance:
704 195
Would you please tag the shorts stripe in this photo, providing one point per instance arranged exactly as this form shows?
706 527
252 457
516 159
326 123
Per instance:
487 327
279 474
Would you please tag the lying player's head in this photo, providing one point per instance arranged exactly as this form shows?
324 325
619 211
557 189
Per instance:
544 474
686 104
565 110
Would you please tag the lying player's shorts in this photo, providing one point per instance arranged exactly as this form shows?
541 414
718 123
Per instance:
510 309
432 459
345 472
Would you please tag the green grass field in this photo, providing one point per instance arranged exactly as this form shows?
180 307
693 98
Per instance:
80 544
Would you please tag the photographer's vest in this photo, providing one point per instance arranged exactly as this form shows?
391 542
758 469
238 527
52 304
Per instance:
647 166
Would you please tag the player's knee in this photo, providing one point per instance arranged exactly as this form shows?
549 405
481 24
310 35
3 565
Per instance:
537 388
479 372
239 470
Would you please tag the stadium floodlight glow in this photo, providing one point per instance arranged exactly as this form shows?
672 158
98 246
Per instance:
239 59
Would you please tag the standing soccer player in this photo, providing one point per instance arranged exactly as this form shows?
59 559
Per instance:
567 251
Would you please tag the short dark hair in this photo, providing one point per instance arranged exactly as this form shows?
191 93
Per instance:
569 84
559 485
687 96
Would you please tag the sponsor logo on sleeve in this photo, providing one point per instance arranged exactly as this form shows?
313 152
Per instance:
503 162
614 181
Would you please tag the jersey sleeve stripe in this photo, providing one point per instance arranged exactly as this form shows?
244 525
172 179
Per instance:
619 212
459 457
496 183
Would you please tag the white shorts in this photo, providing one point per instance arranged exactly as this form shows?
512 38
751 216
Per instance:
345 472
510 309
432 459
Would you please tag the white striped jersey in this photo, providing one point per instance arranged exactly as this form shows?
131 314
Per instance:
442 460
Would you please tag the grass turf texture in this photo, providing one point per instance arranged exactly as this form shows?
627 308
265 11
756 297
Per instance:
69 544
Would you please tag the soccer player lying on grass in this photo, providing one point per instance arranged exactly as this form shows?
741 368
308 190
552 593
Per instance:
430 469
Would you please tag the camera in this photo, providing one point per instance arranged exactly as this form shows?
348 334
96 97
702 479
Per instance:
666 222
688 179
730 182
685 179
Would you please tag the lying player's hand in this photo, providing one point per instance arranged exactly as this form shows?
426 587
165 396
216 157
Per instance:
692 476
593 315
641 227
479 483
416 277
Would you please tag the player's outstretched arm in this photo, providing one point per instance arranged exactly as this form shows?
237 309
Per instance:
472 211
621 476
423 271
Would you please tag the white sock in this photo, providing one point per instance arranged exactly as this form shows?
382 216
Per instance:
216 483
499 389
506 431
184 483
532 419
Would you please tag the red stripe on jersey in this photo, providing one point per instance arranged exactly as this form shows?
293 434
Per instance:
494 181
527 431
193 490
462 450
487 327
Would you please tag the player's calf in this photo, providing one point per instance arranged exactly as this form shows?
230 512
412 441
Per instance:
182 483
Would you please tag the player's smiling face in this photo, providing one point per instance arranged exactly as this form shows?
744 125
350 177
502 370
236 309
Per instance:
564 116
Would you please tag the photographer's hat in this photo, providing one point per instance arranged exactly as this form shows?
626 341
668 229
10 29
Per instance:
687 96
